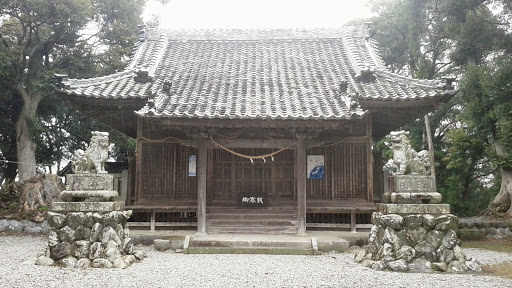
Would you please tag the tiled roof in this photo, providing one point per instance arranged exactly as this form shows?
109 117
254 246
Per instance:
256 74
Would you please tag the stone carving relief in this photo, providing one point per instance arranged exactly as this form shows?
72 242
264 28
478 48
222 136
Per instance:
94 157
406 159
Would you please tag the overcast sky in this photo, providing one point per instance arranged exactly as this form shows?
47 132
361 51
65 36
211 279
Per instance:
203 14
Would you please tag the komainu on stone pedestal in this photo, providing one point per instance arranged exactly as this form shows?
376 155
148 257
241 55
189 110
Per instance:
88 229
411 182
94 157
411 230
407 160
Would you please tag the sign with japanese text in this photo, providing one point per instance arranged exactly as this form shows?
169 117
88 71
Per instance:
247 200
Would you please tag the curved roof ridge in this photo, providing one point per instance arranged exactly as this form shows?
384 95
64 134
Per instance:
354 57
158 54
249 34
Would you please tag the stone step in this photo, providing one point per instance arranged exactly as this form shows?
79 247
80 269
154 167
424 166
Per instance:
249 220
252 222
241 211
250 244
255 229
250 250
264 216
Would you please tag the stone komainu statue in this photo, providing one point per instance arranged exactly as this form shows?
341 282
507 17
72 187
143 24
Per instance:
94 157
407 160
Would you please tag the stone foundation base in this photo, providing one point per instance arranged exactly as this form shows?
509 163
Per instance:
416 198
414 208
89 239
87 206
415 242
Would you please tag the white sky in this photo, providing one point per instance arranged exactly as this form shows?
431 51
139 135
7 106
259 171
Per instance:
205 14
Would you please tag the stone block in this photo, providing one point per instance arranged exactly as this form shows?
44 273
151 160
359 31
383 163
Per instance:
398 265
83 263
162 245
340 245
75 182
413 221
101 263
323 246
393 221
178 244
75 219
60 250
412 183
87 206
66 234
414 208
29 229
90 195
56 220
44 261
13 226
416 198
68 262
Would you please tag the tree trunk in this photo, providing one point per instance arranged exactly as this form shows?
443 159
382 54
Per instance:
25 146
503 200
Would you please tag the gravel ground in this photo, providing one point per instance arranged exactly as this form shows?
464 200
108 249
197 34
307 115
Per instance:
164 269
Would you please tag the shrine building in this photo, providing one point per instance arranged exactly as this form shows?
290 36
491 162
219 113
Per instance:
260 131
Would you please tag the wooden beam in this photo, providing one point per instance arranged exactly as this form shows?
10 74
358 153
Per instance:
202 163
300 175
253 143
257 123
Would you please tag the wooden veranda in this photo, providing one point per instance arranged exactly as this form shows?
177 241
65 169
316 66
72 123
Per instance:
229 170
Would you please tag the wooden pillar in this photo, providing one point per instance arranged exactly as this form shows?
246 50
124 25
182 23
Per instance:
138 160
369 158
202 164
300 175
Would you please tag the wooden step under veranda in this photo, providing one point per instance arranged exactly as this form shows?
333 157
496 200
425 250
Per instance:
251 220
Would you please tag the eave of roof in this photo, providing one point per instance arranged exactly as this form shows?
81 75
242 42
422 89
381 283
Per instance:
328 74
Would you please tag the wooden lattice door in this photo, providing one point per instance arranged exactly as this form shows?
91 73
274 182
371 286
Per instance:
233 176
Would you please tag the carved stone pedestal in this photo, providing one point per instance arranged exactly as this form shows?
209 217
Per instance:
412 189
89 187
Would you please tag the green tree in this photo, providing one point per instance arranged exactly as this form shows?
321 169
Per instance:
487 95
39 38
428 39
